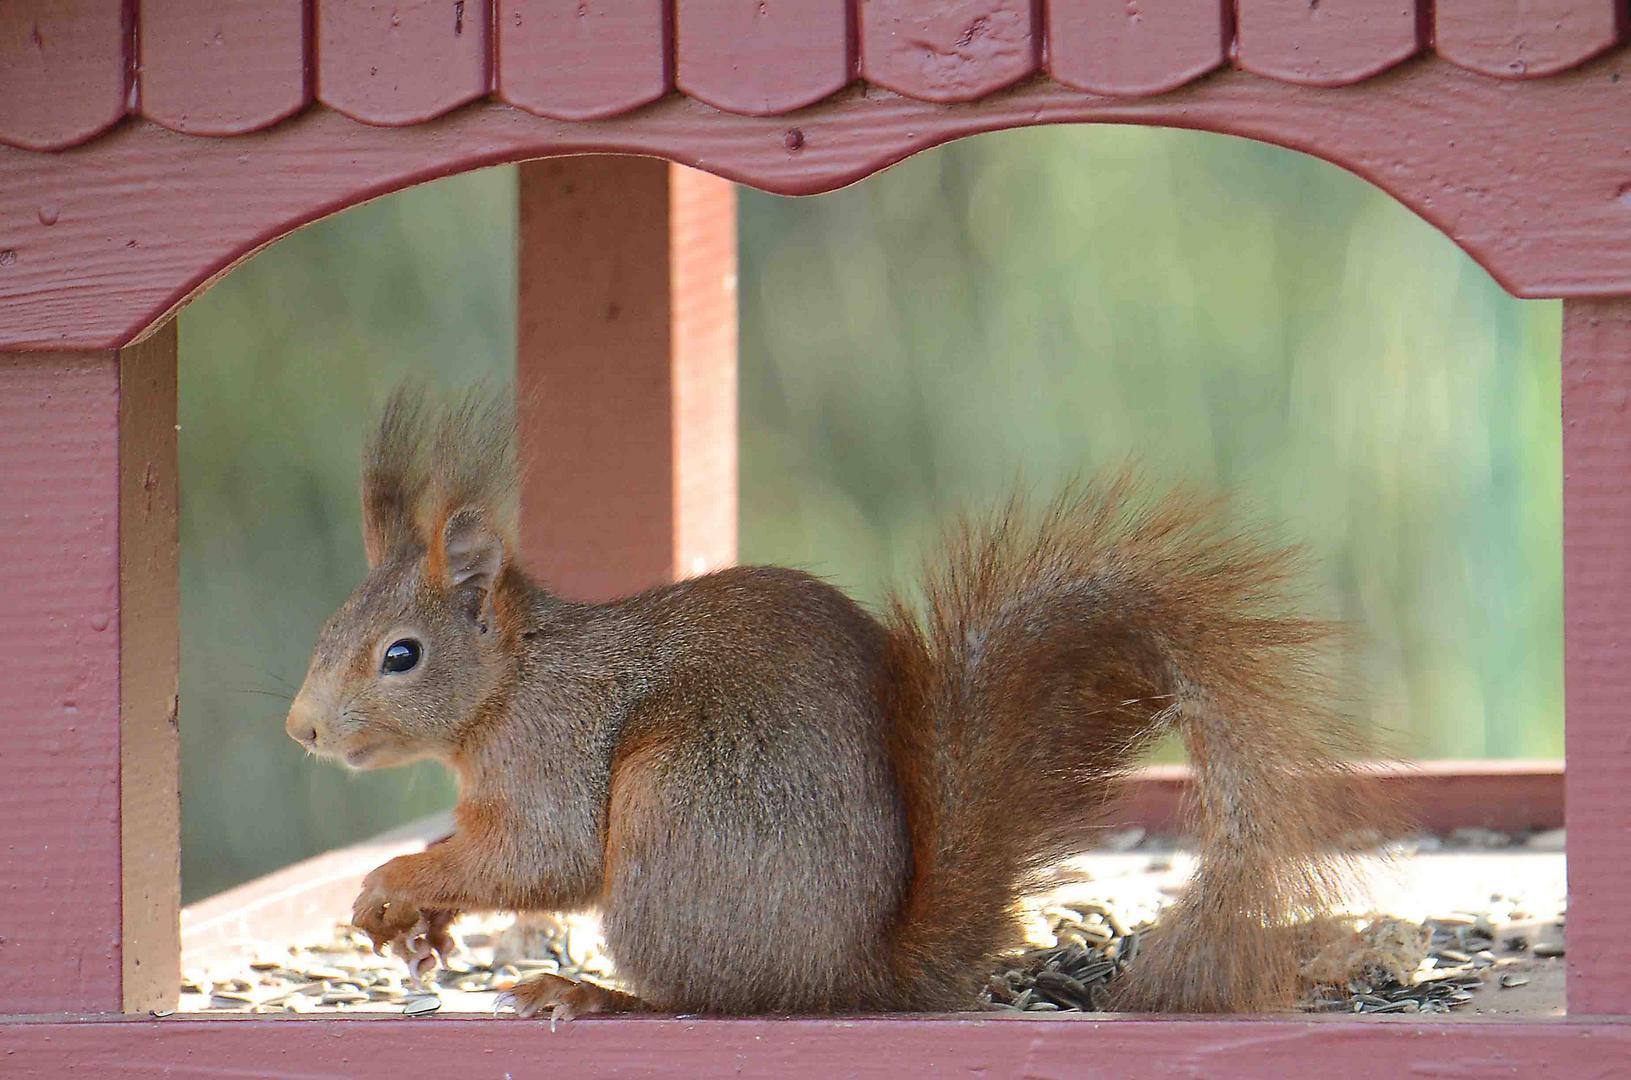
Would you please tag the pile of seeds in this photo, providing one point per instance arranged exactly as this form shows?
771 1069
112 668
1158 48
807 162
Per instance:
1085 932
344 974
1093 948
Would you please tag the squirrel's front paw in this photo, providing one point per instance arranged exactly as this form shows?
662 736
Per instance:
384 912
421 947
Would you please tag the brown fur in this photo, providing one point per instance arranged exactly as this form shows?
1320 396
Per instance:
780 803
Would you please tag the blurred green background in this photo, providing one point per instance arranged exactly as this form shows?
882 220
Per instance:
1023 305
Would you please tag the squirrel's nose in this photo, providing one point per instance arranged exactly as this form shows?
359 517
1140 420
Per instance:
300 726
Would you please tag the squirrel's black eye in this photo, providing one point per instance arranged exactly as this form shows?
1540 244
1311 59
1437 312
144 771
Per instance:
401 656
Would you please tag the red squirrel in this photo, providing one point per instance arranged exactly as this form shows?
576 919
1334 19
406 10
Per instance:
779 801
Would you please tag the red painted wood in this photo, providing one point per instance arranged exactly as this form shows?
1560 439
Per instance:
59 683
402 61
582 59
1326 42
1218 1049
64 70
626 367
1525 39
948 50
143 217
222 67
762 57
1438 796
1135 47
702 232
1597 648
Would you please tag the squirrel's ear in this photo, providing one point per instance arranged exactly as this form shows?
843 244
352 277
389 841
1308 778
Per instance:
473 554
394 477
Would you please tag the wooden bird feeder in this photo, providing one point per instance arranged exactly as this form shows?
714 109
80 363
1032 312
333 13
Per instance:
146 146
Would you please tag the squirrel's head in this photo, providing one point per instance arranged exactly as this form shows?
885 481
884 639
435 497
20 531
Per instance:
407 663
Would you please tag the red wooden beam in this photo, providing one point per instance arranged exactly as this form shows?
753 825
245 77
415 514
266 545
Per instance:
88 610
888 1048
1438 796
626 373
205 203
1597 647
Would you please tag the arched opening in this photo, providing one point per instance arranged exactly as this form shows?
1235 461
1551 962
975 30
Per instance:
1023 303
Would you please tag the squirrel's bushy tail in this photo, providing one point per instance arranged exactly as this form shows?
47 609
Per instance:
1051 651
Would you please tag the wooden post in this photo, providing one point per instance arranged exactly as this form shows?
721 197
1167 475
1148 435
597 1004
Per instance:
626 372
1597 648
90 866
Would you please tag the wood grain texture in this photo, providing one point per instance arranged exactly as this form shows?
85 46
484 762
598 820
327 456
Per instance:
222 67
1525 39
948 50
398 62
64 70
149 655
1326 42
582 59
59 682
762 57
1597 648
143 217
1136 47
702 284
627 406
888 1049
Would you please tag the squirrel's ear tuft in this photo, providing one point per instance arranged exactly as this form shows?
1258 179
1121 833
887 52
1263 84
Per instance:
471 558
468 515
394 474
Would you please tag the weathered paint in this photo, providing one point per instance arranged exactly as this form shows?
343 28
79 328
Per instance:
1525 39
1327 42
886 1048
949 50
106 240
1597 648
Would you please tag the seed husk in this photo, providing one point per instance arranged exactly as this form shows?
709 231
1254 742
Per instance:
422 1006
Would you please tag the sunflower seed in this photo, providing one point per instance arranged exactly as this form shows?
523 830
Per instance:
422 1006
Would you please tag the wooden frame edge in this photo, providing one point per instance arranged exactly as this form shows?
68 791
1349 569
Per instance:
989 1046
149 655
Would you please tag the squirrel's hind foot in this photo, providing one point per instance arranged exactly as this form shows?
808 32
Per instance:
565 999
